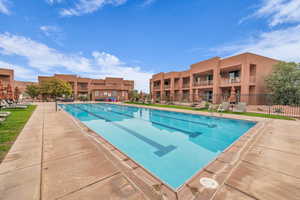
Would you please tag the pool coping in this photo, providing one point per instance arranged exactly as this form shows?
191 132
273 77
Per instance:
159 186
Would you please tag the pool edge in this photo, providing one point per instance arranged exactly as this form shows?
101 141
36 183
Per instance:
164 188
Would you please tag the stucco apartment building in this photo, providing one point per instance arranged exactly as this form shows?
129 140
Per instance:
213 79
7 77
95 89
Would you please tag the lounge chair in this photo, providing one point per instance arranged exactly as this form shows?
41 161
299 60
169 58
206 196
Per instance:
148 101
13 105
19 103
202 104
4 114
23 103
240 107
223 106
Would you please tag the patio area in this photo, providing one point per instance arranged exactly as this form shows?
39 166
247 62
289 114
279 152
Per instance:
55 158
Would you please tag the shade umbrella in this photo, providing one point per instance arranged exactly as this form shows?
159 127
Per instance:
1 91
17 93
9 92
232 98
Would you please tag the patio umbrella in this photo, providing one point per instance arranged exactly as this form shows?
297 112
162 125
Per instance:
232 98
17 93
1 91
9 92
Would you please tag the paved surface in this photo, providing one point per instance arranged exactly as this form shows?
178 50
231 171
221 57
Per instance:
53 159
271 168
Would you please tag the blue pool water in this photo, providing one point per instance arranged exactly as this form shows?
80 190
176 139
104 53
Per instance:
173 146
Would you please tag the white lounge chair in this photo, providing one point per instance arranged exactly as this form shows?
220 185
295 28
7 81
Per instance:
7 105
4 114
224 106
240 107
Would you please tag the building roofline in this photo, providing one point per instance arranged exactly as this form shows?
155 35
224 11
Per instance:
7 69
212 58
250 53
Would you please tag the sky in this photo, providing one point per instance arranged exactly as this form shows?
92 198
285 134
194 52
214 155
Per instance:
134 39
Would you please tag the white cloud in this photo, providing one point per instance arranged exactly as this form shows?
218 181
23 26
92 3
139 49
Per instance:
148 2
105 59
281 44
111 66
280 11
4 7
89 6
41 56
47 60
21 73
54 1
54 33
48 29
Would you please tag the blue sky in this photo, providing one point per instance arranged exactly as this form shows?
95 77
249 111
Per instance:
136 38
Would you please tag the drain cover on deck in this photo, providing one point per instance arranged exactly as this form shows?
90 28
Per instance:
209 183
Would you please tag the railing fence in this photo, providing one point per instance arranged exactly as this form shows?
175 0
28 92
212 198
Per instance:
285 104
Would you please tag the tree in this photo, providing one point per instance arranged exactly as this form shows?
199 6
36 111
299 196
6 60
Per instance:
55 88
284 83
133 95
33 91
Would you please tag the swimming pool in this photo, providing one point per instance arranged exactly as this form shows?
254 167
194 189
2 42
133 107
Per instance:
173 146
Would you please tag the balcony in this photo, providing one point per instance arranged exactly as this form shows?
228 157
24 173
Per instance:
167 87
156 87
203 83
228 81
186 85
82 88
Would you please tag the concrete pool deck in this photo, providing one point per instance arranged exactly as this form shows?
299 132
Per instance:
54 159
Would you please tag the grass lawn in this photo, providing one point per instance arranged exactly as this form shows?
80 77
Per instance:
206 110
12 126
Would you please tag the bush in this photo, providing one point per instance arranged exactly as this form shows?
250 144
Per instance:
83 98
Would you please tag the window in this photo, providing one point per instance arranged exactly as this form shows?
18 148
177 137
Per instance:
209 77
98 84
252 70
97 93
234 74
105 93
208 95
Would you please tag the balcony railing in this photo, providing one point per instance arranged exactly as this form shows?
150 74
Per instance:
82 88
230 80
203 83
186 85
157 87
167 86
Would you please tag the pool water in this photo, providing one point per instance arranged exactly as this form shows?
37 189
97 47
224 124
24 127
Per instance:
172 146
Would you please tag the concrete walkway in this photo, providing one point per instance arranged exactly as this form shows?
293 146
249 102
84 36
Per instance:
52 159
270 170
